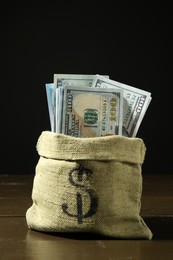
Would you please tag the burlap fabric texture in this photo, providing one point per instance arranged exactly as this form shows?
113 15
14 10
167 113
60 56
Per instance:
88 185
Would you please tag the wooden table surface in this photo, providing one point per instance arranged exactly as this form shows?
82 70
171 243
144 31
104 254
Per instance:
18 242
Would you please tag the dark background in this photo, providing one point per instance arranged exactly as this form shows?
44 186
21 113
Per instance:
130 43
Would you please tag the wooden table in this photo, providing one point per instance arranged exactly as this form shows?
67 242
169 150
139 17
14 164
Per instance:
18 242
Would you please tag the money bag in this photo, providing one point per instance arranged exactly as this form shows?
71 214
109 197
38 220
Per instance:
91 185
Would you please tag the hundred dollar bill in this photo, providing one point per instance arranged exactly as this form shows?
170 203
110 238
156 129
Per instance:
92 112
135 103
78 80
59 109
50 102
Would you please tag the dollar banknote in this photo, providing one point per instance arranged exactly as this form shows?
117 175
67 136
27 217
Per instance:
50 102
92 112
135 100
59 109
135 103
77 80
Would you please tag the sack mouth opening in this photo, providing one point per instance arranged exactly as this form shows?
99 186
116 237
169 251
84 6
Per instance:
108 148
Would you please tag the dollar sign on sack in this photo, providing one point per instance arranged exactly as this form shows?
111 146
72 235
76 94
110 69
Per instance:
80 215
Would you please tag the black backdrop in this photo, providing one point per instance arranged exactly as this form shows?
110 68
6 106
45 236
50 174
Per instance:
130 43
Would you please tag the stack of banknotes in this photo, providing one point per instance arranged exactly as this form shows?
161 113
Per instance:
95 105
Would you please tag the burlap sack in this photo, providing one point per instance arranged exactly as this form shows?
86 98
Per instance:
88 185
